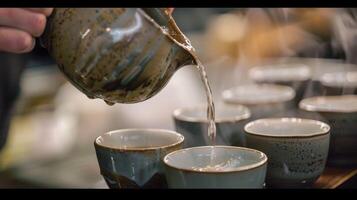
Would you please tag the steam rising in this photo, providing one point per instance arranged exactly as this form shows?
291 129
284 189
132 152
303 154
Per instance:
270 35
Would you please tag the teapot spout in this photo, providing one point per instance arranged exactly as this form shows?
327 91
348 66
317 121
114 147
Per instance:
163 18
185 58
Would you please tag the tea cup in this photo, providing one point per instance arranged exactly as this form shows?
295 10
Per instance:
295 75
193 124
215 167
263 100
297 149
132 158
340 112
339 83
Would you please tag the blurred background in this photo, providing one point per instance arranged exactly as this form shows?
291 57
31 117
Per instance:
53 126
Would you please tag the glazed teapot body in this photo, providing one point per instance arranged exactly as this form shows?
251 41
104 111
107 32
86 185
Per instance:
120 55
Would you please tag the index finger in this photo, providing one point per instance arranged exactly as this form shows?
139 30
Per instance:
45 11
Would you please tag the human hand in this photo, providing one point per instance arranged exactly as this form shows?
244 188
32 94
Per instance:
171 10
20 26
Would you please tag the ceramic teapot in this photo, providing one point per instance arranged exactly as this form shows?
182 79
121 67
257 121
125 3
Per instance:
120 55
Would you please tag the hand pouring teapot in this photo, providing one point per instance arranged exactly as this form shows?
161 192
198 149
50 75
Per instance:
121 55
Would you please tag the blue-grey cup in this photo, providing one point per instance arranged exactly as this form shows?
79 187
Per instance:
297 149
295 75
132 158
263 100
340 112
234 167
339 83
192 123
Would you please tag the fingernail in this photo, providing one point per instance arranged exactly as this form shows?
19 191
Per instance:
29 48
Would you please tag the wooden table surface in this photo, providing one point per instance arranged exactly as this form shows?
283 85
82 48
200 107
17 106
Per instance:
333 178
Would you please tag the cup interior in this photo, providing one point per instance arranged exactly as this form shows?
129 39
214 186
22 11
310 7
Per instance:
223 113
338 104
281 72
139 139
287 127
258 94
215 159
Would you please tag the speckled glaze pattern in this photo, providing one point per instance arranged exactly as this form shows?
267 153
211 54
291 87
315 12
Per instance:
292 162
343 122
119 55
133 169
343 145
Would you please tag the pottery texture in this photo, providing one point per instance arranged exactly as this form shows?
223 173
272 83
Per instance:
119 55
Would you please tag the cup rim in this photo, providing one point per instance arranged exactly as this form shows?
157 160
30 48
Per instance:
177 114
291 119
303 105
329 79
181 139
289 95
238 169
299 77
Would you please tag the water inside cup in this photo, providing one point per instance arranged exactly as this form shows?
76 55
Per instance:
226 159
139 139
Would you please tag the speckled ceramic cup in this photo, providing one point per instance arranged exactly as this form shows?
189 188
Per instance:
297 149
294 75
230 120
236 167
263 100
340 112
132 158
